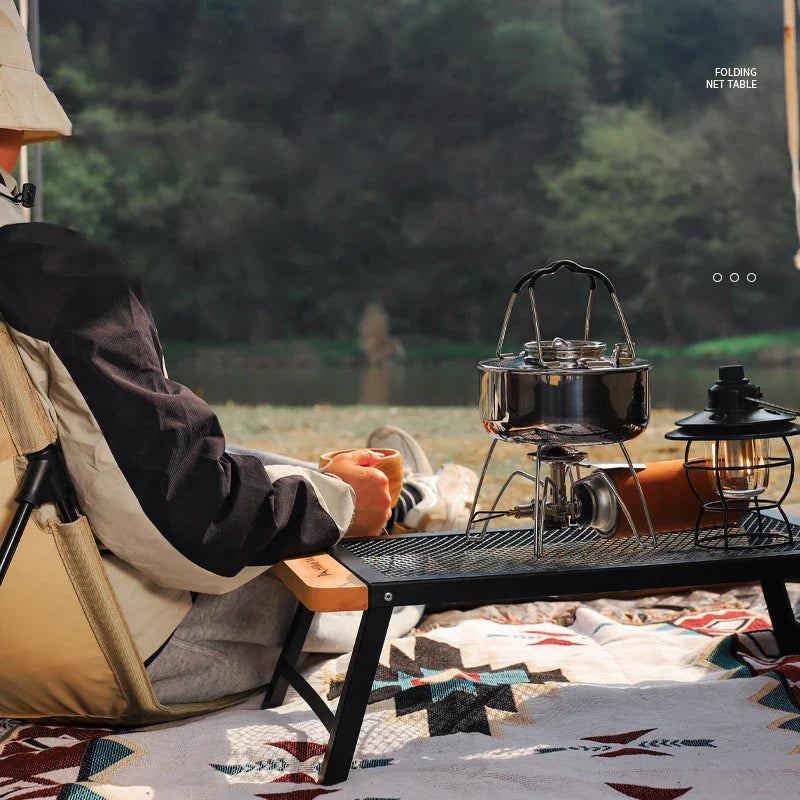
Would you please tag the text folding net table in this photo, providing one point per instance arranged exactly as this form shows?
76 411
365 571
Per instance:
377 574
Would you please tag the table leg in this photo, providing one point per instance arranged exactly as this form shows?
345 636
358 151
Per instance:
355 694
292 646
784 623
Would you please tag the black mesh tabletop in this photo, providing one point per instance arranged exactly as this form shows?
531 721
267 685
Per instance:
449 566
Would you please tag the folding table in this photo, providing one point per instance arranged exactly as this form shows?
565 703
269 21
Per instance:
376 574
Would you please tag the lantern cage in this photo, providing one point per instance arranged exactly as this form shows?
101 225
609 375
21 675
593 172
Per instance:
729 535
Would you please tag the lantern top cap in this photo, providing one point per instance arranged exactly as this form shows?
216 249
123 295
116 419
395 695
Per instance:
733 373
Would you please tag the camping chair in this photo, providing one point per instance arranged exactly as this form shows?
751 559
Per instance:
66 651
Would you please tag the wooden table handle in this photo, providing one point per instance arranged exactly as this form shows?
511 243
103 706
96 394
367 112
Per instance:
321 583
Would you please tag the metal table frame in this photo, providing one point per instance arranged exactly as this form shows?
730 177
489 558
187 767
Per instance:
700 567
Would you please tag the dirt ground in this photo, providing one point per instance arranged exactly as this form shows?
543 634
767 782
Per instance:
447 434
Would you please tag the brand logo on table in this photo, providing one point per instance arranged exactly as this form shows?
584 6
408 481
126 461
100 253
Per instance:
314 564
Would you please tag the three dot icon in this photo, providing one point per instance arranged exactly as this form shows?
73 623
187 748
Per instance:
734 277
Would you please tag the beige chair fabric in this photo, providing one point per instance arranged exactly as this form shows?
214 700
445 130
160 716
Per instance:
66 652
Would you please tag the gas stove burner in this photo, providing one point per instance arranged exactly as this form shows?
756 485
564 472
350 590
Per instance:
558 454
561 394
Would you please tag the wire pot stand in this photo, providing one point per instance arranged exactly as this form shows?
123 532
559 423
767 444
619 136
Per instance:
547 490
730 535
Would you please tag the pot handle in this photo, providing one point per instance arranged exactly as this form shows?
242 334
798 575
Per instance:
593 274
572 266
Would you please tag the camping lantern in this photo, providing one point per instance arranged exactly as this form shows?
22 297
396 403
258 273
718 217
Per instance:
737 428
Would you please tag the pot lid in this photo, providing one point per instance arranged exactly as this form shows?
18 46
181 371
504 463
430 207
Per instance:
564 349
566 355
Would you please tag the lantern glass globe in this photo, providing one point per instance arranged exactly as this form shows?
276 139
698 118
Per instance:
742 467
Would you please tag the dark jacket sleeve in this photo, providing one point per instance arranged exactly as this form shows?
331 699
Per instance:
221 511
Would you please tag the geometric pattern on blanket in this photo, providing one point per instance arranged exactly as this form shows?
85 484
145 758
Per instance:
652 698
62 762
723 622
295 762
751 654
445 697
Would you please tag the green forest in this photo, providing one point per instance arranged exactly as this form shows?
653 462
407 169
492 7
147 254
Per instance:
270 168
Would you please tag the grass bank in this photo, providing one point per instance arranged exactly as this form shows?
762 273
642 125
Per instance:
770 348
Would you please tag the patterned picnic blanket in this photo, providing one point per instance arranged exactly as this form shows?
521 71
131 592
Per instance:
653 698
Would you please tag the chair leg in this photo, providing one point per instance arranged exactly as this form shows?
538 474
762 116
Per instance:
13 536
45 479
292 647
784 623
355 695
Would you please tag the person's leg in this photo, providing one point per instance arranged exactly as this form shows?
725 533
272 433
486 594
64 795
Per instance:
227 643
393 438
429 501
334 632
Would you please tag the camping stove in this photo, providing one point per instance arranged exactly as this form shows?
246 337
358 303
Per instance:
560 395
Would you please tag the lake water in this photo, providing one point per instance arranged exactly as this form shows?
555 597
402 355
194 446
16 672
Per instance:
673 385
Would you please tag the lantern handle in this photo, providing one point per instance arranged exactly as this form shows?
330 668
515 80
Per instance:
773 406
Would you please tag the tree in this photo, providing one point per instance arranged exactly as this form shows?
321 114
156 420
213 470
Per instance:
633 204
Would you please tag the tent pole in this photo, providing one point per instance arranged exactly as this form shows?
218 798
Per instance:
792 122
29 14
37 212
23 154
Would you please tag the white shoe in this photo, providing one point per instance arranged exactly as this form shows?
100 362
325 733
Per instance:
387 437
446 500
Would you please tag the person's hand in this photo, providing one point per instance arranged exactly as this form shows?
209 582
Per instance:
373 504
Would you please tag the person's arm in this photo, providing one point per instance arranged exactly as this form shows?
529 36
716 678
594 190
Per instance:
132 437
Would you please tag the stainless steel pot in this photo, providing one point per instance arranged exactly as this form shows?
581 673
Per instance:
566 392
